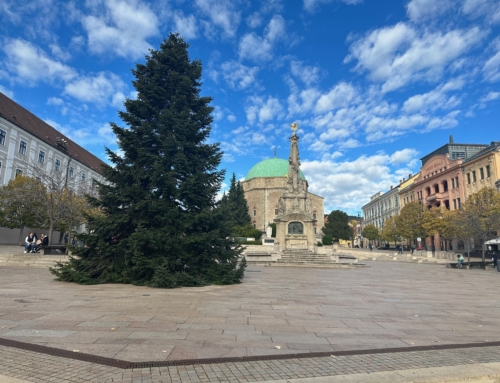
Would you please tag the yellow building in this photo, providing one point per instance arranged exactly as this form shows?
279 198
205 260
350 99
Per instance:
482 170
406 194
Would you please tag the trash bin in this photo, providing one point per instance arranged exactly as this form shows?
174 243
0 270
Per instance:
498 266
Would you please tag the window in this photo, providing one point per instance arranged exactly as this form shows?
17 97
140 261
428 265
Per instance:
453 183
275 211
19 172
254 212
314 215
83 177
488 171
2 137
58 165
70 172
481 172
456 181
22 148
458 202
468 178
455 204
474 176
41 157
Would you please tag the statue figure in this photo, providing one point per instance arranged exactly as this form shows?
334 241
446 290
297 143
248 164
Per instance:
269 231
308 206
296 202
281 206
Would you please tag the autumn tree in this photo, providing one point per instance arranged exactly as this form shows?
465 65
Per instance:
371 232
390 232
410 221
18 207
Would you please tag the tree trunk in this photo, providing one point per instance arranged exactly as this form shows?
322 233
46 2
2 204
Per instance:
51 229
21 235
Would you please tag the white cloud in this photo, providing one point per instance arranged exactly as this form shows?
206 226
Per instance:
491 68
435 99
55 101
231 118
185 25
6 91
307 74
490 9
222 14
491 96
103 88
106 134
30 64
319 146
399 55
122 27
403 156
350 143
256 48
254 20
349 184
262 110
239 76
300 102
59 53
423 9
339 96
312 5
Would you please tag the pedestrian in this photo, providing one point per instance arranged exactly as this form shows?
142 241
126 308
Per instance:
29 243
412 249
495 258
65 238
460 260
370 246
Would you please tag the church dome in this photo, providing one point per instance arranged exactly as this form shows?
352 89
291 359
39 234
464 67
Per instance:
272 167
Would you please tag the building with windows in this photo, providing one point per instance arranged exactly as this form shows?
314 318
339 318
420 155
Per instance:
381 207
482 170
27 143
455 151
406 194
264 185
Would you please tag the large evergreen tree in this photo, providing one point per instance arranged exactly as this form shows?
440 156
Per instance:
235 204
161 225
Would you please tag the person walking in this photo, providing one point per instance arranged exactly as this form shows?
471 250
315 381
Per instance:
412 249
370 246
495 258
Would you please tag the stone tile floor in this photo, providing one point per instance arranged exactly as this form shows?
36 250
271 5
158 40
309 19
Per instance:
28 366
274 311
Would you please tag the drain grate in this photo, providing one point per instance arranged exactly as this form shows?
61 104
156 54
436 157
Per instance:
188 362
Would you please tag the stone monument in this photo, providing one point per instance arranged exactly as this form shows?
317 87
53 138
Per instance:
295 222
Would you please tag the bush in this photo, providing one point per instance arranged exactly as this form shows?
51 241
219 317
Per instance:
327 240
246 231
319 244
250 242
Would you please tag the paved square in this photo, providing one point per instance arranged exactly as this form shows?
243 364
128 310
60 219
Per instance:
274 311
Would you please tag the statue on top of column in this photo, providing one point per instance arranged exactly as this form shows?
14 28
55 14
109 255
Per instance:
294 183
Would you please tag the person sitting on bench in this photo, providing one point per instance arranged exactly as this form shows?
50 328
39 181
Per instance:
460 260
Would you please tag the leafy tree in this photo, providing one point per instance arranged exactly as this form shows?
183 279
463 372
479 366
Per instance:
481 215
410 221
338 226
371 232
273 226
161 225
390 231
18 205
439 220
327 240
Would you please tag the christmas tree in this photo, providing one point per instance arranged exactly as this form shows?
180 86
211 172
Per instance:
161 225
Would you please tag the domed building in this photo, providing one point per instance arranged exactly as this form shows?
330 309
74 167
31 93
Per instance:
265 183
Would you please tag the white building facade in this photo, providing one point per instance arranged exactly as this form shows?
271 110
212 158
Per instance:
29 145
381 207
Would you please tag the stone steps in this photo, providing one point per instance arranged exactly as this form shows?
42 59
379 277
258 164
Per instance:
28 260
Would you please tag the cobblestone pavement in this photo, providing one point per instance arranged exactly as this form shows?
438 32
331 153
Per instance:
274 311
34 367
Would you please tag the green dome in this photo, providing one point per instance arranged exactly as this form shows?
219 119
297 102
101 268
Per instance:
272 167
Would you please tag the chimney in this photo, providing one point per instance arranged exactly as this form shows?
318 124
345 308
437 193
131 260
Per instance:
391 187
451 139
400 181
409 175
404 179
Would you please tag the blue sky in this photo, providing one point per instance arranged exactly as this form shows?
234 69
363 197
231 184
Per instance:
374 85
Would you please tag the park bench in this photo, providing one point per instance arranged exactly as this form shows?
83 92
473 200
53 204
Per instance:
55 250
470 265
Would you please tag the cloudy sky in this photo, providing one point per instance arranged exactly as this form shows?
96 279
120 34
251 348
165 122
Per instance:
374 84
